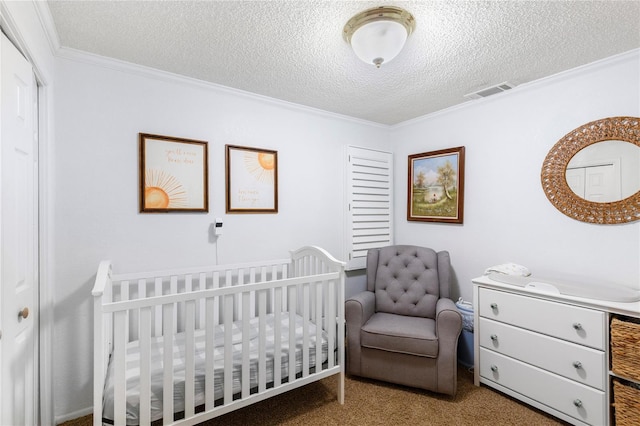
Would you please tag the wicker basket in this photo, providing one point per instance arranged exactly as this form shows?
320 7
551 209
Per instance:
625 348
626 403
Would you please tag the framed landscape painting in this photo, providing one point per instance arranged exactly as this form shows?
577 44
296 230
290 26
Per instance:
436 186
173 174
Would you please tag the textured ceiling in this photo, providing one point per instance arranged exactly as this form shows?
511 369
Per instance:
294 50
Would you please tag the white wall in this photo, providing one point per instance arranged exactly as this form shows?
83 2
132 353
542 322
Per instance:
100 112
507 217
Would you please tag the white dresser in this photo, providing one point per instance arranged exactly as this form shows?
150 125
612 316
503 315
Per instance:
547 350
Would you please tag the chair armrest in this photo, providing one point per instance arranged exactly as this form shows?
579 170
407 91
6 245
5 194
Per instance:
359 308
448 320
448 328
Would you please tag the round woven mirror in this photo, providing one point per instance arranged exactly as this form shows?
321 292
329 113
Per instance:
554 172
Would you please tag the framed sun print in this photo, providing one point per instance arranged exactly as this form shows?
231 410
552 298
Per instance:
173 174
252 180
436 186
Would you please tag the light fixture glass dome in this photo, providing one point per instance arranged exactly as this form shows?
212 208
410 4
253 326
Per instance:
379 42
378 35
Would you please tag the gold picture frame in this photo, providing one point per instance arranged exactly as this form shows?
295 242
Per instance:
173 174
436 186
251 180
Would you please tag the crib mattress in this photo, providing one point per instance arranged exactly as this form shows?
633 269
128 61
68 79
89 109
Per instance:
157 355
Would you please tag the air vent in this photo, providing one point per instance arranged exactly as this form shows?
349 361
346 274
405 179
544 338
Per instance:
489 91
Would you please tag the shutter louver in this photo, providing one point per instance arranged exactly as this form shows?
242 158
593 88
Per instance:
370 201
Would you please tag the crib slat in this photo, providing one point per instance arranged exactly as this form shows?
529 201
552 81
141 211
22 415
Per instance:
262 276
200 307
228 348
239 314
331 323
145 366
305 266
157 325
254 298
305 330
189 366
124 290
226 281
217 309
319 326
277 337
292 333
134 315
168 325
312 301
246 349
184 287
174 290
269 293
209 353
262 338
119 367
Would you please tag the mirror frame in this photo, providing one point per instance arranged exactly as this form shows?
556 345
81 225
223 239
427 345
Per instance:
554 181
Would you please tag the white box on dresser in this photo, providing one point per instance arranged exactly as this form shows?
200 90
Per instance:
548 350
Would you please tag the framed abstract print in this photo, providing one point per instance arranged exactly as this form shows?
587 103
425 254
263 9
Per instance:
173 174
252 180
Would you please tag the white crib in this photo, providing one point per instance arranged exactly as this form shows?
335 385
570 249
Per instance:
184 346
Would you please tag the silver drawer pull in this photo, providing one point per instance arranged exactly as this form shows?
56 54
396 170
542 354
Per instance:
577 403
577 326
494 368
577 364
494 306
494 337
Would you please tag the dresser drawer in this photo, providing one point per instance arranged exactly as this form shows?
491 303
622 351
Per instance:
574 399
568 322
575 362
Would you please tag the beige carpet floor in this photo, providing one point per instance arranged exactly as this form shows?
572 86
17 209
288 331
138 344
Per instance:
369 402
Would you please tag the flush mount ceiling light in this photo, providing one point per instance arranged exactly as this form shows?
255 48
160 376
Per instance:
377 35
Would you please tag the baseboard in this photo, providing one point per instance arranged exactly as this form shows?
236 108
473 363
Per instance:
74 415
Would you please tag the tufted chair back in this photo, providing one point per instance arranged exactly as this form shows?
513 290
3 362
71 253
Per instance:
408 280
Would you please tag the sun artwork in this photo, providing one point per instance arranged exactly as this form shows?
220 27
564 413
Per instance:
261 165
163 191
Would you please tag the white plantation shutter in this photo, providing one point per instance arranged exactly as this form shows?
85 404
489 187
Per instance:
370 201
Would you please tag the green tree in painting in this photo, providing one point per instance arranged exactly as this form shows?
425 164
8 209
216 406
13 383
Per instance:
420 179
445 177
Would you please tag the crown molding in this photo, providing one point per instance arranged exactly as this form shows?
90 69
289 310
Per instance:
71 54
630 55
46 20
148 72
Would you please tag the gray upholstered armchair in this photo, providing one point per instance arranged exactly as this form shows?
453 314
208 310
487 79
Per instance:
404 329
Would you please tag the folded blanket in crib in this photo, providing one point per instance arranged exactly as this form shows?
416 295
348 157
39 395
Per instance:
157 371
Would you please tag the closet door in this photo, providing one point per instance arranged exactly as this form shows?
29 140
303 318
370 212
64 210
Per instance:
597 182
18 239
